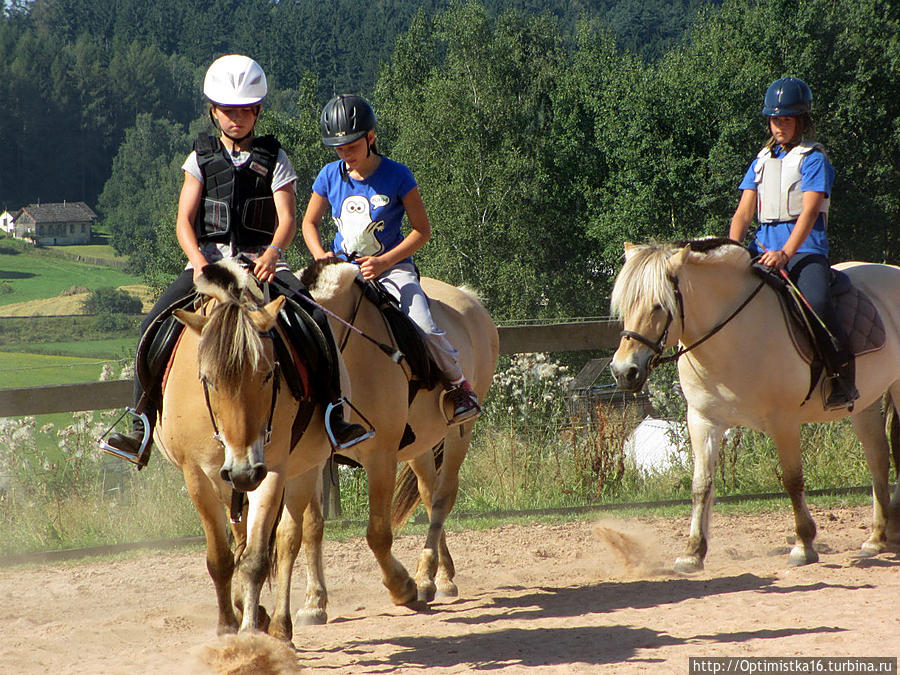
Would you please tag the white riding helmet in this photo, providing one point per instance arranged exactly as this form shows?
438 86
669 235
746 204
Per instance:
235 80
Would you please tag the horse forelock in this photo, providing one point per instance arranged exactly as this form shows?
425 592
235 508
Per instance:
230 345
644 282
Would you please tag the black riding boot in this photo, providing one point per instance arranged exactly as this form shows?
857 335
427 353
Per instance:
345 433
131 446
843 386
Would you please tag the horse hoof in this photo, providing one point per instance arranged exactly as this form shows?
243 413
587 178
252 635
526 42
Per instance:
688 565
408 596
426 592
447 591
311 617
870 549
800 557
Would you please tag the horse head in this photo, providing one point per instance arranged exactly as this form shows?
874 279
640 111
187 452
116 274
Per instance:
238 370
645 298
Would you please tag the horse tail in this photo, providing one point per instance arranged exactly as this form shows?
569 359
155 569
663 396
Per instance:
892 428
406 494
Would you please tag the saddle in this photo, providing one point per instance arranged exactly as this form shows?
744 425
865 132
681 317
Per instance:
425 373
858 317
299 344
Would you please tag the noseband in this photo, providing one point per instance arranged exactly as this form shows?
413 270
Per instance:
659 345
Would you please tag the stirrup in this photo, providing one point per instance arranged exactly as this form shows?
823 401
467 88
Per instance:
141 458
328 430
451 420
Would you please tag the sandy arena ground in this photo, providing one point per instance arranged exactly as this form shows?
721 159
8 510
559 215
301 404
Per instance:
575 598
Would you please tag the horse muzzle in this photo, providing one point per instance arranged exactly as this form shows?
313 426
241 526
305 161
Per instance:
631 371
246 473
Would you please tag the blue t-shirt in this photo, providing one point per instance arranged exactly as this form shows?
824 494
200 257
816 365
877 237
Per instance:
817 175
368 213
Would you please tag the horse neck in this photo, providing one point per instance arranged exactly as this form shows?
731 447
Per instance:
711 293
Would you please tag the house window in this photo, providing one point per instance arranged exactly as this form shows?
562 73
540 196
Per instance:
82 228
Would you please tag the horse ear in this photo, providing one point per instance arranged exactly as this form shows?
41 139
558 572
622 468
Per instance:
630 250
264 318
677 260
192 320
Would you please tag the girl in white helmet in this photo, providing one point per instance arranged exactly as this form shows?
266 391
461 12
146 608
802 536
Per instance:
238 198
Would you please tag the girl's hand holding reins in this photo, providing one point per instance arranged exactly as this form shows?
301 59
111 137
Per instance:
371 266
264 270
774 259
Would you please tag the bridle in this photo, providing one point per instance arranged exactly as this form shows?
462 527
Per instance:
274 375
659 345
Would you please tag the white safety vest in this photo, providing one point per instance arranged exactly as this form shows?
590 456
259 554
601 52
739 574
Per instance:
779 198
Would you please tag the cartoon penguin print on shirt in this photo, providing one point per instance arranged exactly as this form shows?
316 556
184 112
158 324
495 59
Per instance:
357 227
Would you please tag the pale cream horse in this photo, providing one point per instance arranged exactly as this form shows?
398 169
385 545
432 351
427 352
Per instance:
226 423
749 372
381 393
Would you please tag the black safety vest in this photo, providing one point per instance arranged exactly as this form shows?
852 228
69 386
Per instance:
237 204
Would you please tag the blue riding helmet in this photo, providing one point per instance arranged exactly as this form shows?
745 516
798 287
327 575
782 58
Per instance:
787 97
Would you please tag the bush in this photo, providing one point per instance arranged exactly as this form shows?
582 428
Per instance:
112 301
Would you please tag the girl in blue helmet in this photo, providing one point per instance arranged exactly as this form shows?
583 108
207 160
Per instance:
368 195
788 189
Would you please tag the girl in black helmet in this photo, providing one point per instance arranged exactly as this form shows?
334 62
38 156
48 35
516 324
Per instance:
788 189
368 195
238 198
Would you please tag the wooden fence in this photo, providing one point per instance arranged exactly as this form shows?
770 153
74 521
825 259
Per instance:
559 337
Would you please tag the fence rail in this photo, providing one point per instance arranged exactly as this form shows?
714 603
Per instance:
561 337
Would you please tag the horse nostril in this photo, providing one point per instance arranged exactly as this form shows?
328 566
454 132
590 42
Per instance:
225 474
259 472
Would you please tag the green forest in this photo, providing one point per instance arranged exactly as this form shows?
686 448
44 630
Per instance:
543 135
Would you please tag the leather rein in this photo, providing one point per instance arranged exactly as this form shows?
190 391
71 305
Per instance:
659 345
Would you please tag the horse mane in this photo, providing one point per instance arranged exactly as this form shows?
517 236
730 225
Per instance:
230 343
644 282
326 278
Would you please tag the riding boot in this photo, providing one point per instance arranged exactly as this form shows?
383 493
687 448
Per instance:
345 433
843 386
131 446
465 402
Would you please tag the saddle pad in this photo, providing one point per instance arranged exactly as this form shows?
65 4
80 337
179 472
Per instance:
858 317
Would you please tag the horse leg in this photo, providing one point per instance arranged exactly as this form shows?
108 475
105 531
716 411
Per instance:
787 442
426 474
706 440
892 529
869 426
288 536
219 558
313 612
444 499
382 472
265 503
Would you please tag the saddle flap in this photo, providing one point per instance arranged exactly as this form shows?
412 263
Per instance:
406 334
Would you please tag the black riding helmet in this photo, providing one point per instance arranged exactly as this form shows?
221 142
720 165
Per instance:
346 118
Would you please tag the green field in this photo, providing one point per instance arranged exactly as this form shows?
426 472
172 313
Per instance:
35 276
31 370
112 348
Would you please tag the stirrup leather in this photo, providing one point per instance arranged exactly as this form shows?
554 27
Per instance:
328 430
140 459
